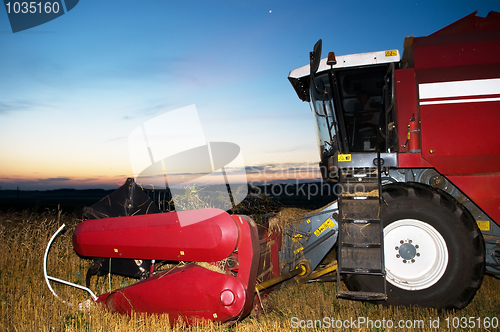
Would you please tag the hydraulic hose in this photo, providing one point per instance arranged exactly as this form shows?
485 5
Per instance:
301 269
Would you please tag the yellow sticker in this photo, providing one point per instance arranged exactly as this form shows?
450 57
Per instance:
308 221
297 237
327 224
116 250
182 252
391 53
296 251
484 225
344 157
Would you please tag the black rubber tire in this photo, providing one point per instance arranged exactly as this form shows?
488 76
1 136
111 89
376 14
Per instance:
466 252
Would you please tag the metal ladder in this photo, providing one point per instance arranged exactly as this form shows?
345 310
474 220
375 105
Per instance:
360 245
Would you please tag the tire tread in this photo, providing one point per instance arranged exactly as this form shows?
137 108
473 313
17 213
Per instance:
398 192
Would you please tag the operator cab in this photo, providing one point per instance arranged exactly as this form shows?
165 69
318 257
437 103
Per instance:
352 101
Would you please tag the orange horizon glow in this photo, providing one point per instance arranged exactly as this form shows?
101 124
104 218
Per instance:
253 175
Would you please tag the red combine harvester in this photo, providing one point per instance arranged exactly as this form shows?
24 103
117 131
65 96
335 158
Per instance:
412 147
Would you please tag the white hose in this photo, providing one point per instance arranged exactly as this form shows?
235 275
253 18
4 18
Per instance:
47 277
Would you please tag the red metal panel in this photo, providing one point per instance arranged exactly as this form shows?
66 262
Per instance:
412 160
406 101
206 235
447 51
461 138
472 22
276 239
472 48
483 189
457 72
466 72
190 293
270 245
248 258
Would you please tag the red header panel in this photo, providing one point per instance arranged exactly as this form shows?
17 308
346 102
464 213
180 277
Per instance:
206 235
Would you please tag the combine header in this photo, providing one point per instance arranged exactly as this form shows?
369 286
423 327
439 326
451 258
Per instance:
411 145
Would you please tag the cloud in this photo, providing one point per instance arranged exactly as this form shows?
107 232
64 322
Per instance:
136 69
257 169
152 110
117 139
57 179
12 183
283 171
19 106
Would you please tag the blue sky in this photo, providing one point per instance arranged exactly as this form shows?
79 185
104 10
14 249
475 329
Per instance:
73 89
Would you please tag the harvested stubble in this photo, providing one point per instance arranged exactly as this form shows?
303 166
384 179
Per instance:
27 305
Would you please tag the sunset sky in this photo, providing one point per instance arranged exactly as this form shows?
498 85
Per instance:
73 90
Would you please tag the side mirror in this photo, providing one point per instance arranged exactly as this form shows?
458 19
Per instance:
315 57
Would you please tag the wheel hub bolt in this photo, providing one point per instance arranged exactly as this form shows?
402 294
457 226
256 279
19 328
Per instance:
407 251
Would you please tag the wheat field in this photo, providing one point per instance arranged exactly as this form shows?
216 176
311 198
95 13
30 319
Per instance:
26 303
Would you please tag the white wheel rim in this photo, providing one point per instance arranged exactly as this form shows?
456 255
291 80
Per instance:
416 255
